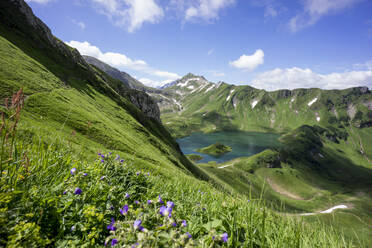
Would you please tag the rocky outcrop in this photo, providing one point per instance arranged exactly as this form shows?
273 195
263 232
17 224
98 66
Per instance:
145 103
24 20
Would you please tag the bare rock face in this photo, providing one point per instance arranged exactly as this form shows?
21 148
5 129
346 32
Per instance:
145 103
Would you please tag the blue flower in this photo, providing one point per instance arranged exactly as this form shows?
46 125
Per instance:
102 177
78 191
102 156
117 157
136 202
64 192
111 226
137 225
188 235
127 195
170 204
174 224
124 210
102 160
135 245
184 224
73 171
138 173
99 154
160 200
122 161
114 242
85 174
224 237
165 211
149 201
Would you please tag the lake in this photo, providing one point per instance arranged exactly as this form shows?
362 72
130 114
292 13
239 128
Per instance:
243 144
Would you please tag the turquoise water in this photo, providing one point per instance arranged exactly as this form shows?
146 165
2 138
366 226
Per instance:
243 144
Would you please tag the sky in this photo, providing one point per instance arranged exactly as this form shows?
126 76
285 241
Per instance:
268 44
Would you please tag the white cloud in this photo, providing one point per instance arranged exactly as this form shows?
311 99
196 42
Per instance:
295 77
39 1
364 66
314 10
270 11
154 83
79 24
207 10
130 14
249 62
121 61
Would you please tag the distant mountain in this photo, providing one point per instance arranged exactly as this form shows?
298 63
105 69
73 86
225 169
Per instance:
195 104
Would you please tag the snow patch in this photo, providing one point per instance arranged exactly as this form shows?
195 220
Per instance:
229 96
191 87
312 101
187 81
333 208
254 103
210 88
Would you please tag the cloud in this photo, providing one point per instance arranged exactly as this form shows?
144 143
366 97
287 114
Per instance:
210 51
130 14
39 1
206 10
270 11
249 62
79 24
295 77
216 73
154 83
121 61
364 66
314 10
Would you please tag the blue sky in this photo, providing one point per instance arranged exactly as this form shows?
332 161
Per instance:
268 44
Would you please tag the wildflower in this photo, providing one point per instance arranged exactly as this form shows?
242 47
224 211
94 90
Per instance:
160 200
111 226
135 245
138 173
110 153
136 202
112 208
124 210
72 228
102 177
64 192
102 156
149 201
99 154
78 191
102 160
174 224
122 161
85 174
184 224
127 195
148 174
114 242
189 235
170 204
73 171
137 225
213 237
117 157
224 237
165 211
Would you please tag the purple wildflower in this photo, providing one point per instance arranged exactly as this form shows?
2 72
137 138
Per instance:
124 210
184 224
160 200
165 211
72 228
138 173
111 226
189 235
213 237
102 156
102 160
114 242
85 174
99 154
117 157
110 153
170 204
224 237
136 202
148 174
78 191
135 245
112 208
149 201
122 161
127 195
174 224
137 225
64 192
102 177
73 171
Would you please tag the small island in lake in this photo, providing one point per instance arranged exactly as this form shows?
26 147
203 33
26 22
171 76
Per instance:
217 149
194 157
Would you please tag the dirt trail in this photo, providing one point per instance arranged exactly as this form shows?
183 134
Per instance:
283 191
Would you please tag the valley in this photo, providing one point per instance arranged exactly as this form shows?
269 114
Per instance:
92 157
